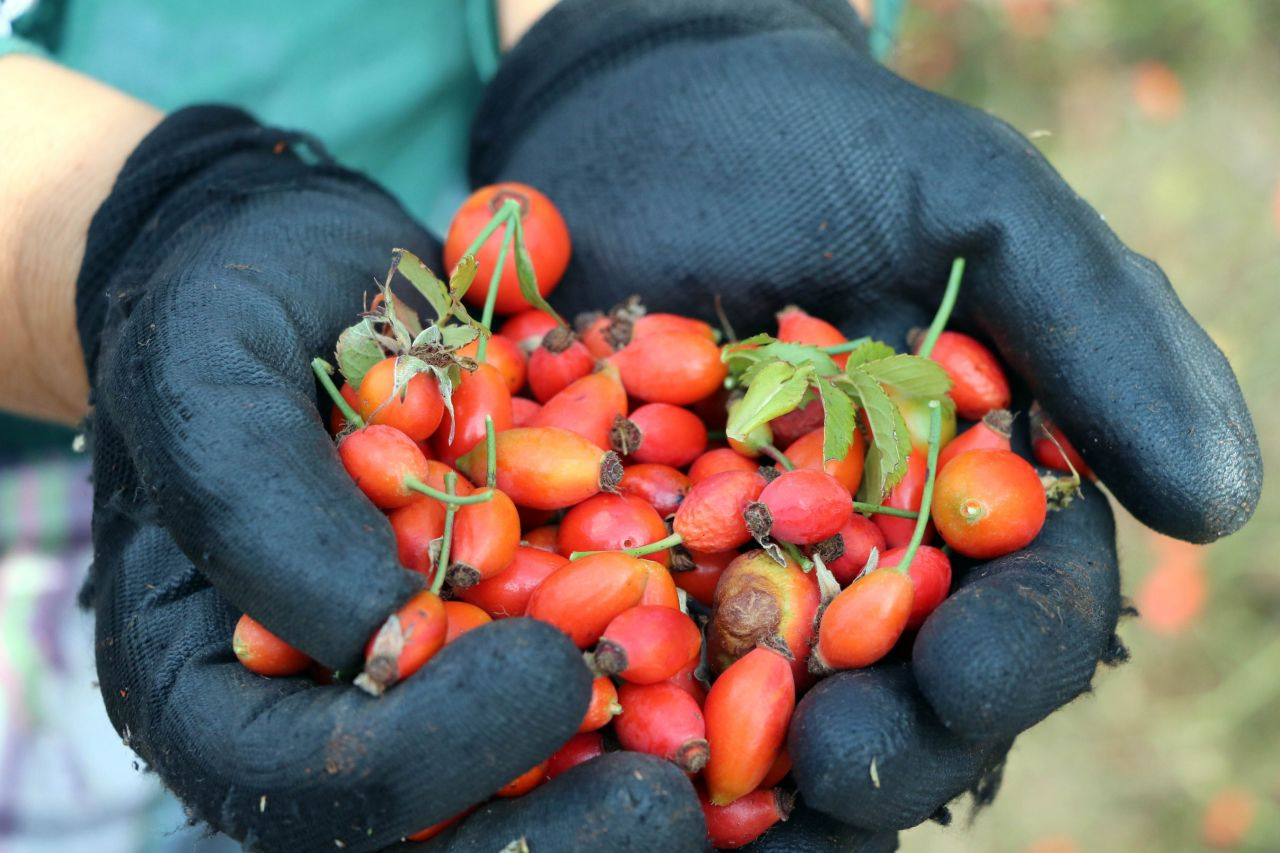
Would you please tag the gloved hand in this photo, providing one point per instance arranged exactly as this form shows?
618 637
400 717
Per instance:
220 265
755 150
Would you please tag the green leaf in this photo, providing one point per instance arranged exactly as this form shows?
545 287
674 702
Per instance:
526 276
776 389
890 443
910 375
421 277
870 351
838 421
454 337
799 354
463 274
447 378
358 350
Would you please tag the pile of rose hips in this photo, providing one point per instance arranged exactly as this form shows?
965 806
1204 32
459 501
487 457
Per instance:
604 478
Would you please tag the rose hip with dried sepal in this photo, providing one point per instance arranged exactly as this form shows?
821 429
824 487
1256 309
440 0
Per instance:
747 712
670 367
406 641
507 595
545 467
660 433
846 553
557 362
991 433
698 572
710 518
662 720
746 818
588 406
801 506
647 644
485 537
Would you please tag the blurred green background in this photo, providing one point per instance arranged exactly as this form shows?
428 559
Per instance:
1166 117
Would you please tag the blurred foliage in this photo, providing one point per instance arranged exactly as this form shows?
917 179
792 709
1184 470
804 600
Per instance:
1165 116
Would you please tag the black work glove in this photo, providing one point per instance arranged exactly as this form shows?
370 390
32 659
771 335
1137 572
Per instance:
755 150
221 264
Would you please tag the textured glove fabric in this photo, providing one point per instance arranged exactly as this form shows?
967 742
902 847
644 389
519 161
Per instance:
222 263
752 149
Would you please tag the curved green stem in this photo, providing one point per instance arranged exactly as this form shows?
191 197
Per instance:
445 497
795 553
509 207
944 310
442 562
653 547
491 453
926 499
323 370
847 346
777 456
491 298
877 509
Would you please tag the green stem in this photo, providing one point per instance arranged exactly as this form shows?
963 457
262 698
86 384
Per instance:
794 553
509 207
926 499
491 298
322 370
491 453
442 562
777 456
847 346
859 506
445 497
661 545
944 310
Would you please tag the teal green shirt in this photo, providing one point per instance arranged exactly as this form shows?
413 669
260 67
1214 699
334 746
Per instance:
388 86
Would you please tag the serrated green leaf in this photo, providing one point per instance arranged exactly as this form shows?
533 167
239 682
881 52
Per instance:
756 340
454 337
870 351
799 354
838 421
909 375
357 350
463 274
528 278
424 280
890 443
776 389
